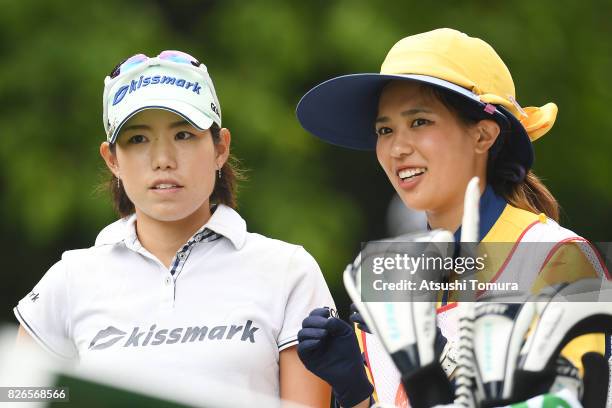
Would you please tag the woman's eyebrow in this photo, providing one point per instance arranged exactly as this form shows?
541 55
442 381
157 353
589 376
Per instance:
137 127
179 124
409 112
147 127
414 111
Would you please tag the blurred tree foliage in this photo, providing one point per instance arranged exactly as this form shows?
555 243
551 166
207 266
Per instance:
263 55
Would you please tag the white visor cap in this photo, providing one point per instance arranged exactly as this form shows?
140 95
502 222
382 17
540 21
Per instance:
181 88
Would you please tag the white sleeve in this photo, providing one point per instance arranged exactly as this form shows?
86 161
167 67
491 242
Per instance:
44 313
305 290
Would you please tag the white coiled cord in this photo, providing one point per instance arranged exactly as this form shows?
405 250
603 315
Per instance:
466 371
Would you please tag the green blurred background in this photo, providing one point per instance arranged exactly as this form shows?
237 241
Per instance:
263 55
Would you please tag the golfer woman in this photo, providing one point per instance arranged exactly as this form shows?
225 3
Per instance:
442 110
178 284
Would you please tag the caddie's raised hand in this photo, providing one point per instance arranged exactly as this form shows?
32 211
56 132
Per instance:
328 348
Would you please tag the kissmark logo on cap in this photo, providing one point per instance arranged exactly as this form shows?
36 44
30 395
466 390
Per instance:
154 80
172 81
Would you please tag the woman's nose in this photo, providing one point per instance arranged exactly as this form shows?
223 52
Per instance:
401 145
163 154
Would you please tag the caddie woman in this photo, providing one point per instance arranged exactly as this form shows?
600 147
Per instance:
178 285
442 110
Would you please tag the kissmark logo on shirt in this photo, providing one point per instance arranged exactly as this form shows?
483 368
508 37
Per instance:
111 335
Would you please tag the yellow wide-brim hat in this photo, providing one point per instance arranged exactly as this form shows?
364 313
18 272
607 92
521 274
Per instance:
342 110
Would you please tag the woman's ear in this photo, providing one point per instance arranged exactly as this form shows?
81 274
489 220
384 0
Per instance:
109 158
223 146
487 131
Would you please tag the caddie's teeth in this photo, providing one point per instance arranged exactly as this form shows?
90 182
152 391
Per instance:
409 173
164 186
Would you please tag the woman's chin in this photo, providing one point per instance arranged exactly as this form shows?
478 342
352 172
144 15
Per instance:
413 200
169 213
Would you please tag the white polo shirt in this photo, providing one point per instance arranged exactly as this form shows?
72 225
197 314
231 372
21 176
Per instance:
231 301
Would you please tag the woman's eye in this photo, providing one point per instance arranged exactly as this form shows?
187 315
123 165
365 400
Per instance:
184 135
136 139
419 122
383 131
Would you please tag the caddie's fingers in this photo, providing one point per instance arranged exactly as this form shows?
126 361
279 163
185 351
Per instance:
321 311
317 322
311 334
338 327
308 345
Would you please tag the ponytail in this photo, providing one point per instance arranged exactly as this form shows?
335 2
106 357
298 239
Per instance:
532 195
520 188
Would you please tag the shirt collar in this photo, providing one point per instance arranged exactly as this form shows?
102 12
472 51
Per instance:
119 231
227 222
490 208
224 221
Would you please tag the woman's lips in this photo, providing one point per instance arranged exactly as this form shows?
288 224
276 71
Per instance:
410 183
410 177
166 188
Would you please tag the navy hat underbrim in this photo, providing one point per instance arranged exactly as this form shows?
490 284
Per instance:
342 111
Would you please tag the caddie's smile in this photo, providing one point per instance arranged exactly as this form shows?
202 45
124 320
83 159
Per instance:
410 176
426 153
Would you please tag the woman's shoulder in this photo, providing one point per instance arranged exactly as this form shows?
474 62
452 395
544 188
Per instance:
229 223
83 256
541 251
280 254
549 230
104 244
257 240
516 224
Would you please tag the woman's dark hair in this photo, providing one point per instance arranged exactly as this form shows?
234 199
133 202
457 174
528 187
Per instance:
224 192
521 188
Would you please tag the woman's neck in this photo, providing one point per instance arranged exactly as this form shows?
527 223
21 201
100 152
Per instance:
451 216
164 238
449 219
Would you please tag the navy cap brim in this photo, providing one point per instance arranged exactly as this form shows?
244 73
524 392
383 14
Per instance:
342 111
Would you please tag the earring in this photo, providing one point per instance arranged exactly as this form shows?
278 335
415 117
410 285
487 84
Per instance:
219 171
118 183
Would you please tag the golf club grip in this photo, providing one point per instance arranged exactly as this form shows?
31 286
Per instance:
428 386
596 380
526 385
